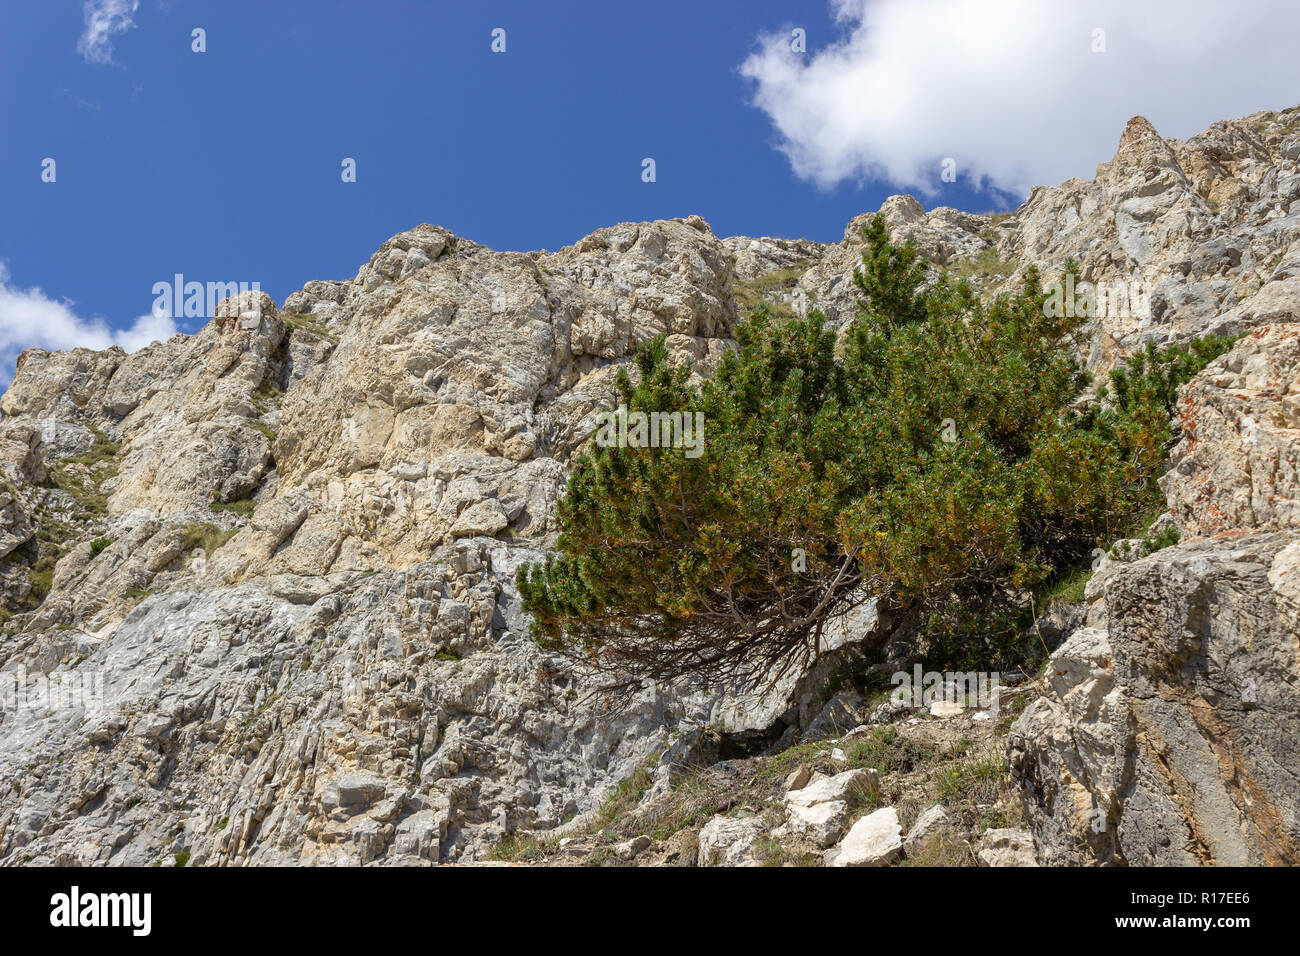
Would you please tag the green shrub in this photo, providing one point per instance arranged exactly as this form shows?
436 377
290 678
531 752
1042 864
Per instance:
206 535
931 459
986 265
244 507
41 582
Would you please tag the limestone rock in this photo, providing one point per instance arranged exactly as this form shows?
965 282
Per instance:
821 824
729 841
875 840
628 849
798 778
842 786
286 544
1238 463
16 525
23 452
840 714
931 832
1006 847
946 708
1171 722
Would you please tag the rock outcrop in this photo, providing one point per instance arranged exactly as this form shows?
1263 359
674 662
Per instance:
296 629
257 582
1170 730
1238 463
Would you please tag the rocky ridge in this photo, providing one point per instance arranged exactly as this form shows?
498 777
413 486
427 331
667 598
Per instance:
281 551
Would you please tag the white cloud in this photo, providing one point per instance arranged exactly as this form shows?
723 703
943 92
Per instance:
103 19
146 330
29 318
1011 89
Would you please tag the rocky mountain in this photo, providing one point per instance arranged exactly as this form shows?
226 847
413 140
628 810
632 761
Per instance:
258 581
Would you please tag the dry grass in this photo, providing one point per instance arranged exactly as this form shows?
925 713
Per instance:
768 289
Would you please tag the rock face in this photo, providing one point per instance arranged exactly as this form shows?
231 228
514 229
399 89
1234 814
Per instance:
1238 463
257 582
295 624
1199 236
316 733
1170 733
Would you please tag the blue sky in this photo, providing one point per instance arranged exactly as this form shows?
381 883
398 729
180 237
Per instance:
225 165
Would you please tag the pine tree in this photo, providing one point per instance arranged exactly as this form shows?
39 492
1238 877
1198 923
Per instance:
930 459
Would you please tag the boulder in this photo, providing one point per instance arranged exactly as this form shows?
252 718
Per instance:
1170 726
628 849
729 841
846 786
820 824
930 834
798 778
840 714
1006 847
875 840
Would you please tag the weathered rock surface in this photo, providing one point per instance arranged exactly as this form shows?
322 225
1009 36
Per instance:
388 451
842 786
931 832
1007 847
1204 231
1169 735
730 841
244 728
1238 463
875 840
820 824
1169 732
